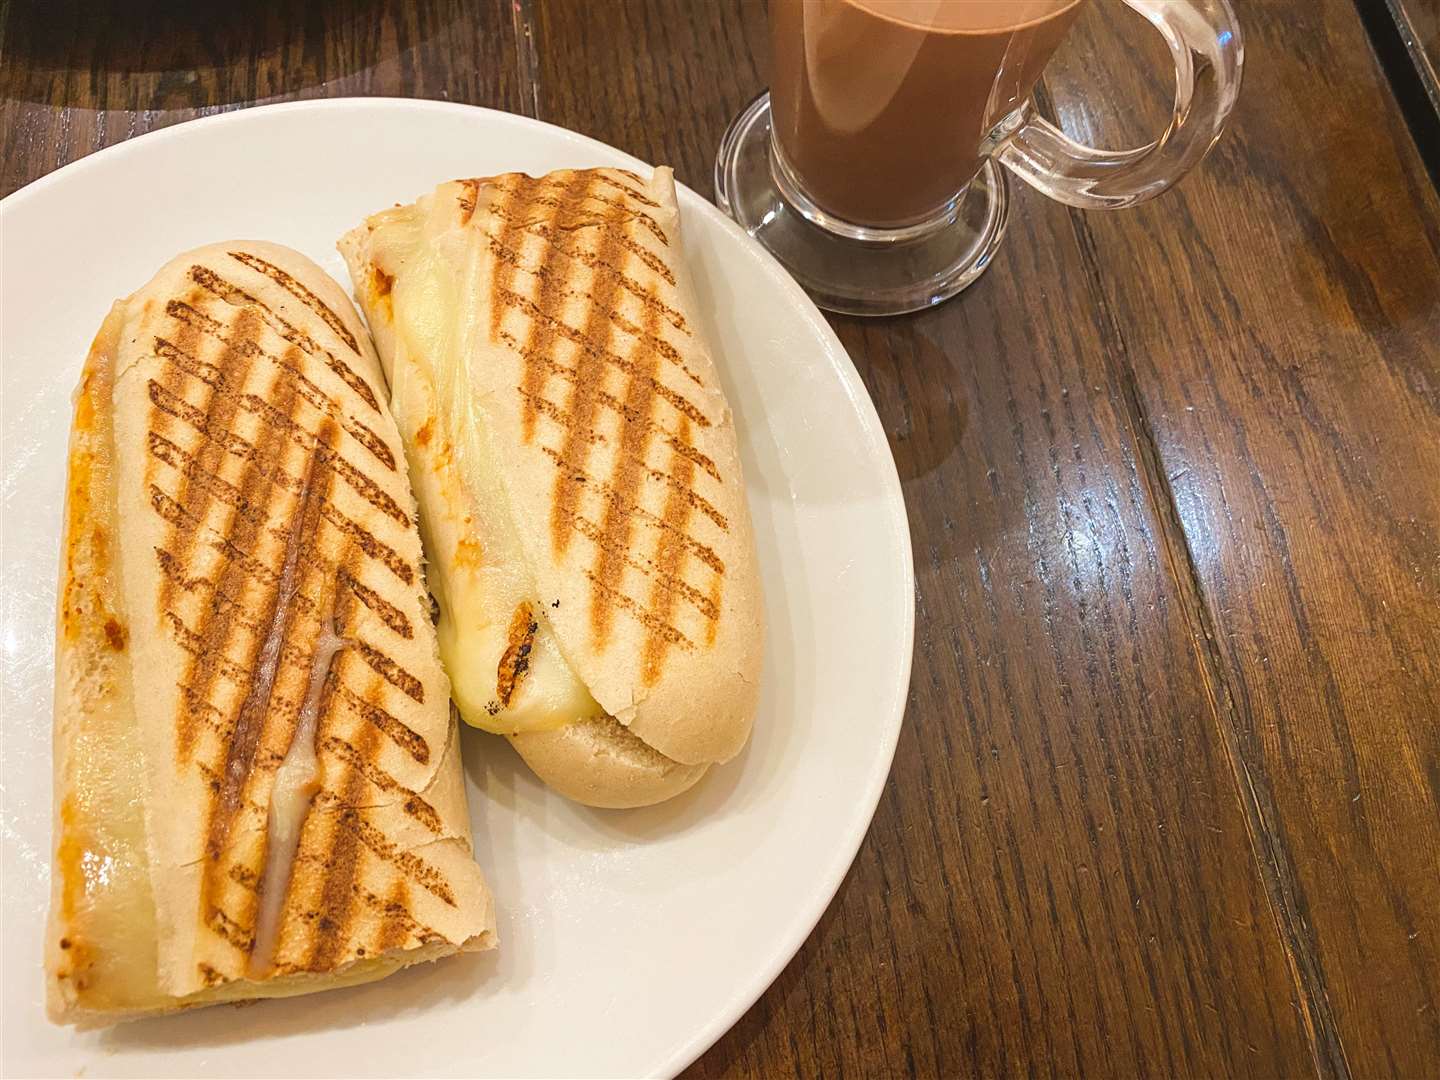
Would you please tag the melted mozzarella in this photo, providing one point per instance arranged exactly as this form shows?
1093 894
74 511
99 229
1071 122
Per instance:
477 569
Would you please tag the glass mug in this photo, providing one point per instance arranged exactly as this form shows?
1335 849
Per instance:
871 169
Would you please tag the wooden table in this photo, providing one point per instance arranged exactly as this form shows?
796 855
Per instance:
1167 802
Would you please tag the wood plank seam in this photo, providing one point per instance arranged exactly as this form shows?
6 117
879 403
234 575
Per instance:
527 63
1413 80
1267 844
1261 817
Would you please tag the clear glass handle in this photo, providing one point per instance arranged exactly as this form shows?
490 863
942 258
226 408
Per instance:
1204 39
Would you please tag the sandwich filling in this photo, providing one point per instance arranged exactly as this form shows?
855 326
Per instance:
507 671
296 782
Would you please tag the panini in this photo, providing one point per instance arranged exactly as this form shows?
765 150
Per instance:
577 470
257 778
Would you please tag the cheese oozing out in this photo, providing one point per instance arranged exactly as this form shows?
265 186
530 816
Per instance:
477 570
296 782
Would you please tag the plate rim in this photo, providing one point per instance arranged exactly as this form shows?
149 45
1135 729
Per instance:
807 917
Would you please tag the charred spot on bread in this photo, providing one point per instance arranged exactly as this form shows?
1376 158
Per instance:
515 662
116 636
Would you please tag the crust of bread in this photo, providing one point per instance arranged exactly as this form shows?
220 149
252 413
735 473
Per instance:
599 763
656 607
119 612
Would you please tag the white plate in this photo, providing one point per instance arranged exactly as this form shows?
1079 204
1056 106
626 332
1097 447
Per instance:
629 940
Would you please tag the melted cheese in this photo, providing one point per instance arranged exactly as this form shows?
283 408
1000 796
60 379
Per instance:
109 935
296 782
477 570
104 914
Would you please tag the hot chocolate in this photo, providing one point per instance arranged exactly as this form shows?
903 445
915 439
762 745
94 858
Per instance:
880 107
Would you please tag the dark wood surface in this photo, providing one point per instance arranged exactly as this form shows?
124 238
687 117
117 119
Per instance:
1167 801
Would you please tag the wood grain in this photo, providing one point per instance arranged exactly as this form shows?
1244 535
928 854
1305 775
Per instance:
78 75
1059 879
1279 317
1166 799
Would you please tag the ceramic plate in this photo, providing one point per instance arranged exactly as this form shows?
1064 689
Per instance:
630 940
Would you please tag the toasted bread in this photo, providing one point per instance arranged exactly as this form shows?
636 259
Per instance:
577 471
257 778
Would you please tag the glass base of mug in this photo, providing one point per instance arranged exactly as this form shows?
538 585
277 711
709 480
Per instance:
888 272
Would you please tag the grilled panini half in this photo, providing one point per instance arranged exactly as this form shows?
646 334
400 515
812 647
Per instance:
257 780
577 471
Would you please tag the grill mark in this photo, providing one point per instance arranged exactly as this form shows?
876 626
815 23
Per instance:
186 523
606 178
365 436
596 265
337 894
371 441
681 446
582 405
681 403
515 663
270 467
626 476
232 444
174 572
653 262
250 721
395 932
193 366
361 484
388 613
206 660
649 258
237 935
642 616
670 558
208 975
173 405
712 627
203 712
221 413
301 293
556 414
616 212
277 418
208 480
703 552
415 804
211 776
407 863
550 182
696 500
172 569
563 419
389 670
649 334
367 542
244 753
233 294
593 532
585 338
469 196
244 877
373 493
398 912
539 339
395 730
